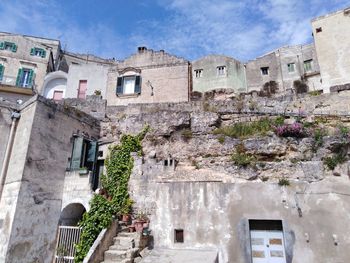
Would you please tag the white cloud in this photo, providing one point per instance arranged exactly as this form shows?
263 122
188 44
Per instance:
243 29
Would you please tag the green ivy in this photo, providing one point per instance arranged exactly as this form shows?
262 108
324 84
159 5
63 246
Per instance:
115 199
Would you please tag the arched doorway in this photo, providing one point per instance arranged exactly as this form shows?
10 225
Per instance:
71 214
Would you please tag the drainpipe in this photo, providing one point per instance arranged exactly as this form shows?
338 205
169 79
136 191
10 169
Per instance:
15 117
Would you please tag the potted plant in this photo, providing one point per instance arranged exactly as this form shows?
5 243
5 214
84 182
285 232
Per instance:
141 221
125 211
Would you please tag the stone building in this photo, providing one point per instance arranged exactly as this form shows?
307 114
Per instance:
332 40
24 63
148 77
78 76
36 151
218 72
284 66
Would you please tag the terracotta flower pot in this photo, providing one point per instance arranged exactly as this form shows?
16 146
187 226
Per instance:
126 218
139 225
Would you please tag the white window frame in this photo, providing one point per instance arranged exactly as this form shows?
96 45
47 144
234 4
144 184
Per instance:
221 70
308 65
262 70
291 67
198 73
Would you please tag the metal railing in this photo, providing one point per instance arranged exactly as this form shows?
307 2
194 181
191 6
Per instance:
68 237
12 81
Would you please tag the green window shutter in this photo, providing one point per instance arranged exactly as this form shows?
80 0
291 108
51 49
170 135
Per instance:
30 78
32 51
19 77
14 47
76 154
119 86
2 45
138 85
43 53
1 71
91 155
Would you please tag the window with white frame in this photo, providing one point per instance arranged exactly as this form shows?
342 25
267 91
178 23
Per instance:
198 73
221 70
128 85
38 52
308 65
291 67
264 71
8 46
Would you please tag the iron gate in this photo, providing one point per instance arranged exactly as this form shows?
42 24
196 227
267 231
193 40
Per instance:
68 236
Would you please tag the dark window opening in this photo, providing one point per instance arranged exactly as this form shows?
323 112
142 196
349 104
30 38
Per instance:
264 70
165 162
83 154
100 153
265 225
179 235
319 30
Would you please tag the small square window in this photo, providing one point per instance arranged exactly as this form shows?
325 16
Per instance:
179 235
319 30
264 71
221 70
291 67
308 65
57 95
198 73
128 85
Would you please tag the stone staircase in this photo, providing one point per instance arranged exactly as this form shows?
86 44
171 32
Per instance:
124 250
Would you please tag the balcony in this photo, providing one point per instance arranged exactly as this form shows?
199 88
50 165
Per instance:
9 84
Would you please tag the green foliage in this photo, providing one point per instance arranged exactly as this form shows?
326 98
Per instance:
241 158
116 200
221 139
243 130
318 138
332 162
187 134
279 120
283 182
315 93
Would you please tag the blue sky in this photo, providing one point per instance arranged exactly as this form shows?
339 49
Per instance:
243 29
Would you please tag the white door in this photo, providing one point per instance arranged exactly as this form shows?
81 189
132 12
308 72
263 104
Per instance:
267 246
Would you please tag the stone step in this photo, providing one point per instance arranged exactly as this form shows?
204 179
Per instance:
123 241
122 246
119 255
122 261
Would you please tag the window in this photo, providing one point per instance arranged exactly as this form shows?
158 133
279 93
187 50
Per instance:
308 65
198 73
57 95
128 85
291 67
39 52
264 71
8 46
83 154
267 241
25 78
2 69
319 30
178 235
82 89
221 70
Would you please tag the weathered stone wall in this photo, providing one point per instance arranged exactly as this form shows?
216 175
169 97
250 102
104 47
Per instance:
332 46
164 78
187 180
32 199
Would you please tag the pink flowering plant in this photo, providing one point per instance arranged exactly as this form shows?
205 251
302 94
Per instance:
295 130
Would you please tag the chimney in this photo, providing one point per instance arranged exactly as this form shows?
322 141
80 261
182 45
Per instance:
141 49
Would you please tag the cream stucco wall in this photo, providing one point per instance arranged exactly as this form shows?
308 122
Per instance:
333 48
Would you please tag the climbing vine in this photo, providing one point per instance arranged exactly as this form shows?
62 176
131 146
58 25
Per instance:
114 198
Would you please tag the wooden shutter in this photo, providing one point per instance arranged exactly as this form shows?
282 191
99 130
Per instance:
138 85
30 78
19 77
2 45
77 153
119 89
91 155
32 51
43 53
1 71
14 47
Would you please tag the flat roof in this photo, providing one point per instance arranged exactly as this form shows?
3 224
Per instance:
331 14
164 255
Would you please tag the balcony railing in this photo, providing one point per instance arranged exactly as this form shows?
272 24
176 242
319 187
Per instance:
12 81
